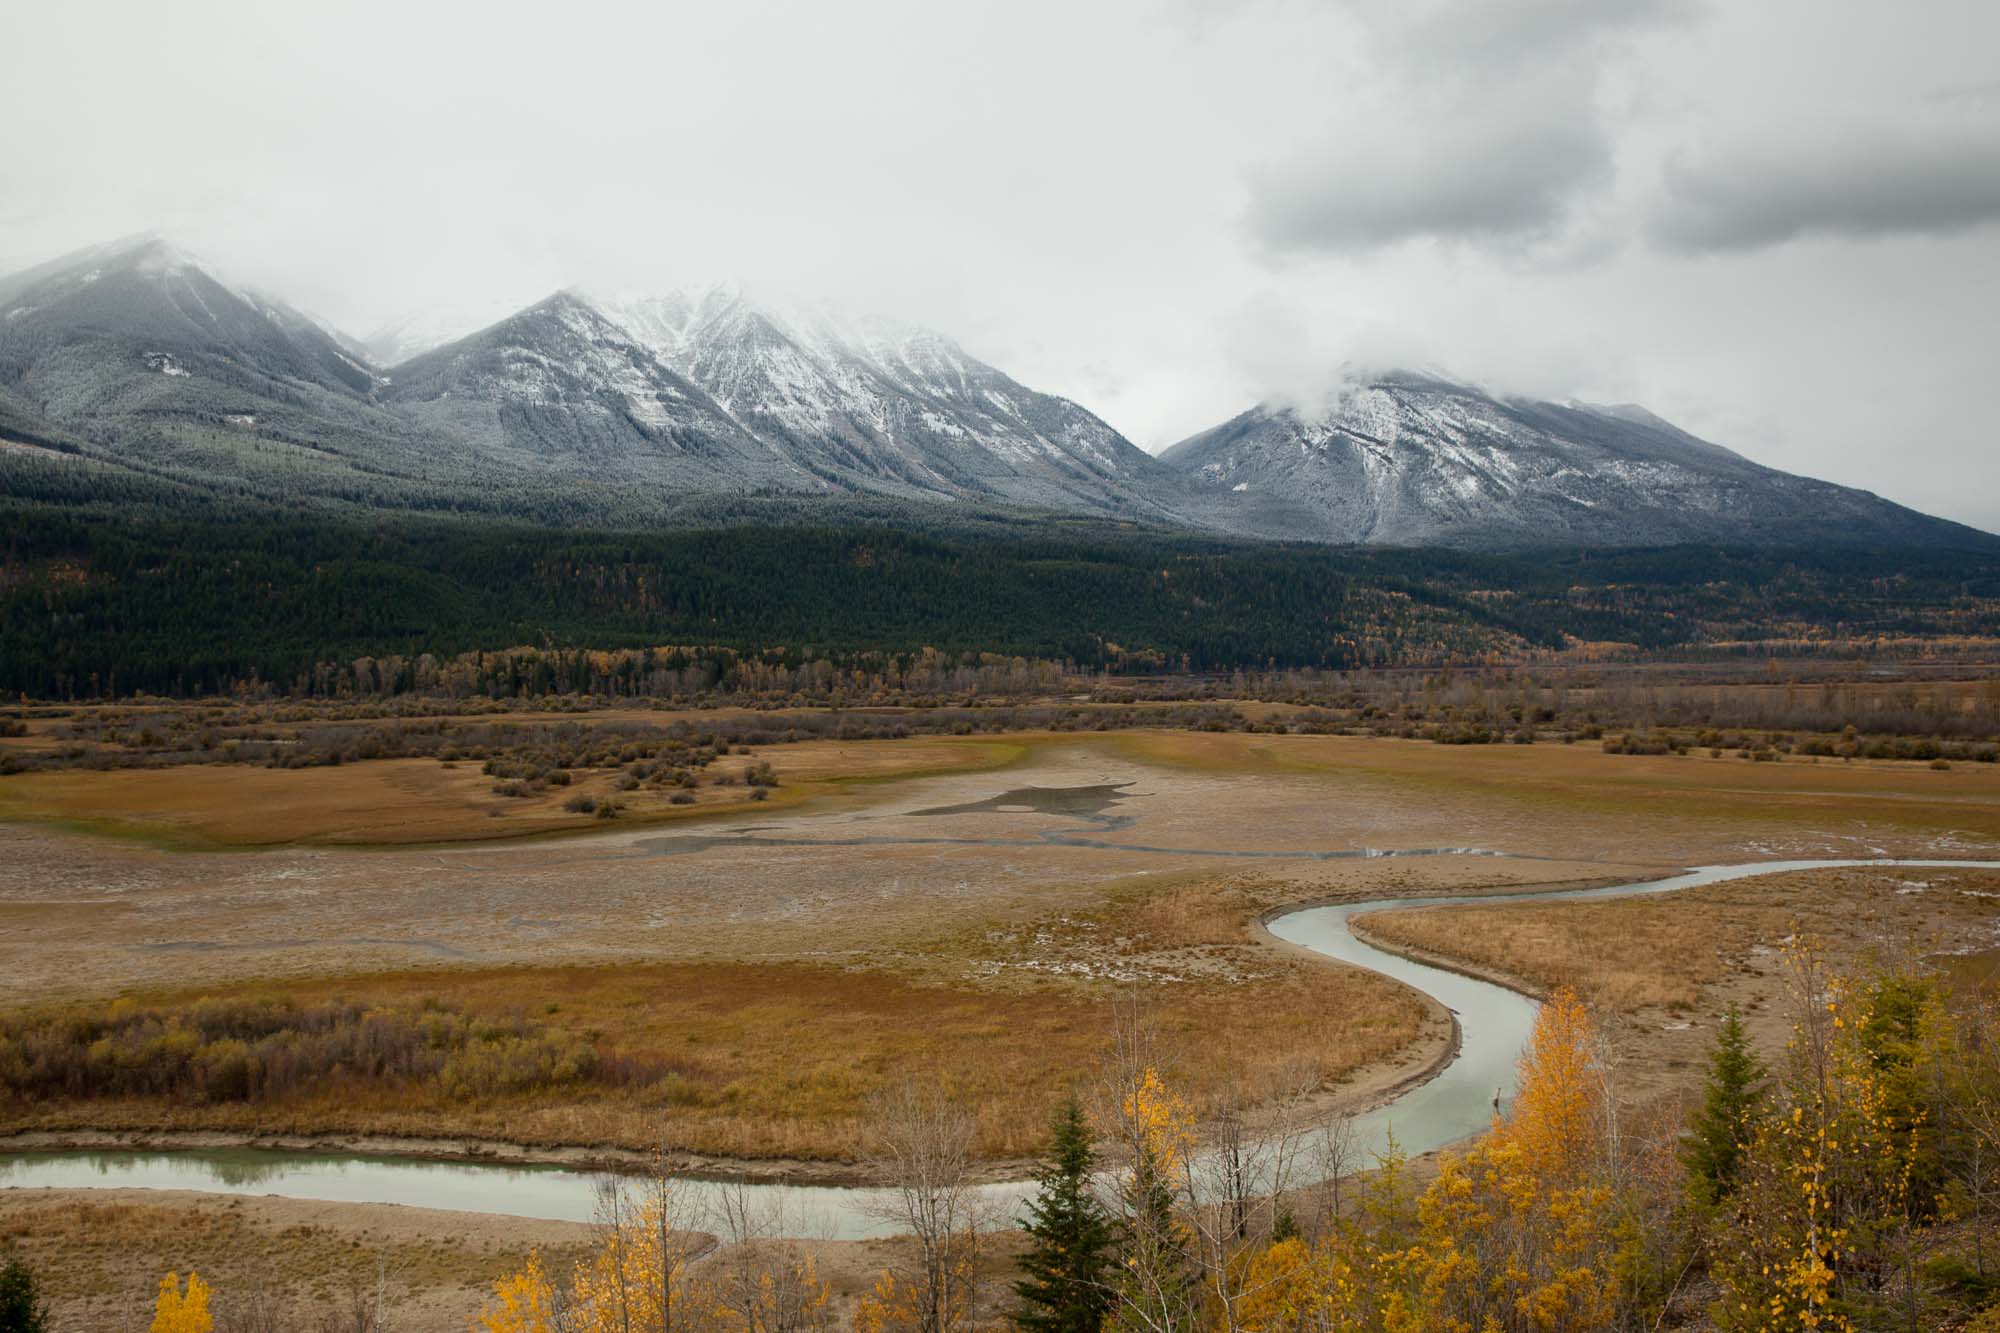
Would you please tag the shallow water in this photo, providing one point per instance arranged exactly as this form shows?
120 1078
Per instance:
1494 1023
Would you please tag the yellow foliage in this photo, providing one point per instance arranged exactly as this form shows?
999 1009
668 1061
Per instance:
1292 1287
1561 1099
636 1282
766 1300
1163 1120
182 1311
890 1308
523 1302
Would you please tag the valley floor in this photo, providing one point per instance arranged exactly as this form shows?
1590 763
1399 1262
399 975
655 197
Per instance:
978 912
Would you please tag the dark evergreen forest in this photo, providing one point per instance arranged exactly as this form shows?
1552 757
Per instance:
111 595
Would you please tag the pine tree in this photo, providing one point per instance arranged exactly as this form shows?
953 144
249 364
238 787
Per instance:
1064 1287
1713 1150
20 1312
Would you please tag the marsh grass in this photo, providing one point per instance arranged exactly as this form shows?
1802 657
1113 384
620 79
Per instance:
773 1060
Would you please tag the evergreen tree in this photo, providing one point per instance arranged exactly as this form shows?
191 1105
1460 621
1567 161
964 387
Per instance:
20 1312
1064 1287
1713 1149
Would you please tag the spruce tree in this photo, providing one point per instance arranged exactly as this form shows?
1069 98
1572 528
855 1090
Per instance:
1713 1149
1063 1288
20 1312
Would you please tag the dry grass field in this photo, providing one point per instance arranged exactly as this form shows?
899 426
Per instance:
99 1259
1795 807
779 1061
1632 954
401 801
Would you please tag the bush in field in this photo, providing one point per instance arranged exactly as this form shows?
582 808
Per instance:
21 1310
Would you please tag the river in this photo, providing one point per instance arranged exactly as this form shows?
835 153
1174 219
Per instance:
1494 1024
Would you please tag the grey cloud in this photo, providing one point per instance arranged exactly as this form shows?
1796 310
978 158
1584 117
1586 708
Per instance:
1485 127
1488 30
1481 181
1864 186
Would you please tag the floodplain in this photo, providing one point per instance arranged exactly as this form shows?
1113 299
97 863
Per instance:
737 980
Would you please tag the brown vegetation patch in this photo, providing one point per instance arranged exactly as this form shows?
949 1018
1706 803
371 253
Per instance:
1628 954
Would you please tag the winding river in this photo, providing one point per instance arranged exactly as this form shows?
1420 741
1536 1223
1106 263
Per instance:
1494 1024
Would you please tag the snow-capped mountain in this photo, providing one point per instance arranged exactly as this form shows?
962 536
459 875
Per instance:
137 356
1414 459
592 409
146 290
797 398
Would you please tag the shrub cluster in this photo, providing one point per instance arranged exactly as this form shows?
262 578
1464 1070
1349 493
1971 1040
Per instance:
257 1050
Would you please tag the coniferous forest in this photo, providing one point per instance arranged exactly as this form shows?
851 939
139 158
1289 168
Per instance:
187 595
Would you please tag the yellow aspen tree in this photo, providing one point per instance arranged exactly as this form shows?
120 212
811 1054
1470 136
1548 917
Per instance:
1834 1203
522 1302
1157 1288
636 1280
179 1310
1517 1235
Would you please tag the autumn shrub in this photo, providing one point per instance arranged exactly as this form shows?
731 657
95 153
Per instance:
260 1050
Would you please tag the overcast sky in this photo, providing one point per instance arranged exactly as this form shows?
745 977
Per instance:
1776 222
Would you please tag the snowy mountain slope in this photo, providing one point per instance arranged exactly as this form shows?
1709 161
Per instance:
149 295
887 407
1408 459
140 354
558 386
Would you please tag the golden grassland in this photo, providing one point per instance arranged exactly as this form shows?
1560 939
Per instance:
417 801
1627 954
402 801
781 1060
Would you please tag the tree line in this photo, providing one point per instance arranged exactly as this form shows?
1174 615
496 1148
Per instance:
111 597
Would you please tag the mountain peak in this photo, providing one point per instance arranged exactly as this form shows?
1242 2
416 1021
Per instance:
1414 458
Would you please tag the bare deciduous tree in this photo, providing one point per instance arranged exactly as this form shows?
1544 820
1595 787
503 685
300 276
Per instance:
765 1277
924 1152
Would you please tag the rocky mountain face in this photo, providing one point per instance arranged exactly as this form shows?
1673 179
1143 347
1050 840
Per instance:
1415 460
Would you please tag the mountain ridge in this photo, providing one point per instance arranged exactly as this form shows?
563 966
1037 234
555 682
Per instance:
598 409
